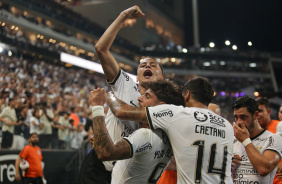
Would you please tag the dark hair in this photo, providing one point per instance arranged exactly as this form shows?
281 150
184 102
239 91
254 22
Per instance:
246 101
167 91
263 101
200 89
34 111
32 134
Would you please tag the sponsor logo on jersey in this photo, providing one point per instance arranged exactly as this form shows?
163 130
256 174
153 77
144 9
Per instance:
200 116
126 76
145 147
216 119
159 154
163 113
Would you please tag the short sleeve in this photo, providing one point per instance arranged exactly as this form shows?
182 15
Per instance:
123 84
274 144
139 141
161 116
24 152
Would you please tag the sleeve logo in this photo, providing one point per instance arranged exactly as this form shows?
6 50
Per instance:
145 147
200 116
163 113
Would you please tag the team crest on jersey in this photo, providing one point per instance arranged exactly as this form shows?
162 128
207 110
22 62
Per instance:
162 113
145 147
200 116
216 119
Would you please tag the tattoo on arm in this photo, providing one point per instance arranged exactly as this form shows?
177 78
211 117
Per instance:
103 144
127 112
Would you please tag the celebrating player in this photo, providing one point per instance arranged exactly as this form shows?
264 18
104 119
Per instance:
201 140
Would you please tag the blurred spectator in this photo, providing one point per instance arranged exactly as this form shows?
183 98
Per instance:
78 137
46 118
74 116
20 128
9 118
55 127
64 131
35 124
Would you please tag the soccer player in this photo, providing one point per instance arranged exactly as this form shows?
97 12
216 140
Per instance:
202 141
150 151
33 155
256 150
93 170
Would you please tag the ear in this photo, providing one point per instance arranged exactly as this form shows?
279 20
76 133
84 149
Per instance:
256 114
269 111
186 96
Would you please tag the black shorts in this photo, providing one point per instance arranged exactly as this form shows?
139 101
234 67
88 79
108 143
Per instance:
37 180
93 171
7 139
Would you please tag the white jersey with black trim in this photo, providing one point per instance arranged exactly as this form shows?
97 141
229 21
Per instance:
202 142
245 171
150 153
127 90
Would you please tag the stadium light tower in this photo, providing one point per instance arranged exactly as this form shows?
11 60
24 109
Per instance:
195 23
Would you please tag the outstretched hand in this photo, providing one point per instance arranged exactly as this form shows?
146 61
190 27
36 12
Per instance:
134 12
98 97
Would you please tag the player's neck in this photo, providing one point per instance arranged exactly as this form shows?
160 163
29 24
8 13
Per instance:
193 103
142 89
256 131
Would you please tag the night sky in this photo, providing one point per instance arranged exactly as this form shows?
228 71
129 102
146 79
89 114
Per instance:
239 21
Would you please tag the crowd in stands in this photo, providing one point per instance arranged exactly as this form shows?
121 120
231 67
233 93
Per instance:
48 99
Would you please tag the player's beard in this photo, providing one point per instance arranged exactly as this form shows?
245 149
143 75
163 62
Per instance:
34 143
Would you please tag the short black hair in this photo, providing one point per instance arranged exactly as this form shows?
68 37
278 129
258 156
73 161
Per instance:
200 89
167 91
31 134
246 101
263 101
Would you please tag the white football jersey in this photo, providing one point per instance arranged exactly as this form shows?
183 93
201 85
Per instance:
279 127
150 153
245 172
202 142
127 90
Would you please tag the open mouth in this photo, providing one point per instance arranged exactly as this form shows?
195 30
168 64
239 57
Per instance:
147 73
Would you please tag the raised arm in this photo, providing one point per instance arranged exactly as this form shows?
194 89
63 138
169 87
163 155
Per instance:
264 163
126 112
109 64
102 142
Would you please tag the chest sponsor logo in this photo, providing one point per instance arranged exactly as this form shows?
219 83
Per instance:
200 116
163 113
145 147
216 119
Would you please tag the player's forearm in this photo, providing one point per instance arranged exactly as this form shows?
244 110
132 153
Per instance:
108 62
103 143
126 112
264 165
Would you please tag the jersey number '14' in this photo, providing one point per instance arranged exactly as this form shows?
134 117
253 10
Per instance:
211 169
